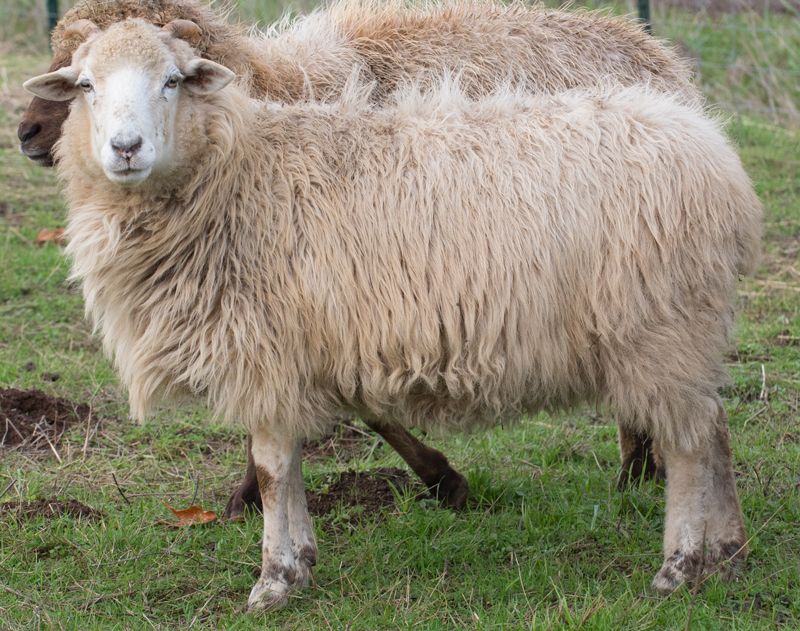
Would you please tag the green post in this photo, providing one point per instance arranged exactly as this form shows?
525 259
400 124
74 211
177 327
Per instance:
644 15
52 14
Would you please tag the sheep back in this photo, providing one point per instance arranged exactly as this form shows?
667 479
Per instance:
312 57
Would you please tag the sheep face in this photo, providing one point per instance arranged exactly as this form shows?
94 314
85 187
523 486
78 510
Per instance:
129 83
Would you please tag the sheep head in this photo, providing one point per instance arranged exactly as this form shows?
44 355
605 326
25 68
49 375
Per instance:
129 82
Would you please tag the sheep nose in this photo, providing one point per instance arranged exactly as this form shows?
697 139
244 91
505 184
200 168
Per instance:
26 133
126 146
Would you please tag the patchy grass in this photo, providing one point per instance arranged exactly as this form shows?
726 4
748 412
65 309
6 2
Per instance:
546 543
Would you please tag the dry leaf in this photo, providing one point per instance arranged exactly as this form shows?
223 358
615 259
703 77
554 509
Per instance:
190 516
56 236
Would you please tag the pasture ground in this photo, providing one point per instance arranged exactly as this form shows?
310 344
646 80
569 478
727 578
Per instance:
546 543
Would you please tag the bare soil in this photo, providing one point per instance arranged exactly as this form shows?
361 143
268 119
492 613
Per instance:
29 418
368 491
49 508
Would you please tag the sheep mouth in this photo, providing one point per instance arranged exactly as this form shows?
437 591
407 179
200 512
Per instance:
128 176
44 159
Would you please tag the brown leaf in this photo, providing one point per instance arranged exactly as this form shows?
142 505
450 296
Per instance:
56 236
190 516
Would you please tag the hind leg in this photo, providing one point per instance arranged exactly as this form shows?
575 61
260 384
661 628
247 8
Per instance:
247 495
702 506
640 458
431 465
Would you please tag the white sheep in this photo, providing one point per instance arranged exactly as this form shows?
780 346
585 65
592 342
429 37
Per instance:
485 41
441 264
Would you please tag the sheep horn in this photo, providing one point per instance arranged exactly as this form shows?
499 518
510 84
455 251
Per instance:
183 29
82 28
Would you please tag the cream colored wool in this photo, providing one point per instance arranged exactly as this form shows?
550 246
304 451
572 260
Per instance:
540 49
445 263
536 49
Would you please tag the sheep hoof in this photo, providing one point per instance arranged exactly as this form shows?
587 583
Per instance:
666 581
238 506
726 558
267 595
245 499
678 568
452 491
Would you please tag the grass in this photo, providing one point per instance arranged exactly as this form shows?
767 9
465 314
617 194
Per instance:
547 542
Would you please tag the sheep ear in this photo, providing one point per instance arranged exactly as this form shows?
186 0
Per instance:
202 76
54 86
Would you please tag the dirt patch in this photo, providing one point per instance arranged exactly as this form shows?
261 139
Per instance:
343 441
49 508
362 493
29 418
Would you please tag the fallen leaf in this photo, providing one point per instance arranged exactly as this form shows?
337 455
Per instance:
56 236
190 516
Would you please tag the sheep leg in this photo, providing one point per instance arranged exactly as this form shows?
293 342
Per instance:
286 563
640 458
301 531
445 483
248 494
702 507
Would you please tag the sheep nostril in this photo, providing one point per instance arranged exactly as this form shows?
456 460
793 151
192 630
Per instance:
26 133
127 147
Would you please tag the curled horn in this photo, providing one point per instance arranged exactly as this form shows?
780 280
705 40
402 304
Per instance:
183 29
82 28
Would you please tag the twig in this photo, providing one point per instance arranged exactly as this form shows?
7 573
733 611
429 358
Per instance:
522 585
12 483
196 487
64 488
759 413
18 594
29 600
120 489
47 438
763 395
14 427
197 615
19 234
162 553
88 431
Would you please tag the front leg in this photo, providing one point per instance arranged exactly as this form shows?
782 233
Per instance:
285 563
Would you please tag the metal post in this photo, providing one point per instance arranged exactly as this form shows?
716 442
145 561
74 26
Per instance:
52 14
644 15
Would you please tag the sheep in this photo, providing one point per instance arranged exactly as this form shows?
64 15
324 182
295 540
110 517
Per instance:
279 74
550 50
443 264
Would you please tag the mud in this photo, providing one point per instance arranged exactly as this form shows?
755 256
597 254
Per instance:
50 508
362 493
29 418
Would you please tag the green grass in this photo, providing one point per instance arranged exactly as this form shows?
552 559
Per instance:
547 542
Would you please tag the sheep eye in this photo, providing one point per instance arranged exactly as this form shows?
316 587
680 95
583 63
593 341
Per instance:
86 85
172 82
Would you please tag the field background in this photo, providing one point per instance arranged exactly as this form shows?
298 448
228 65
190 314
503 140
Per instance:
546 543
